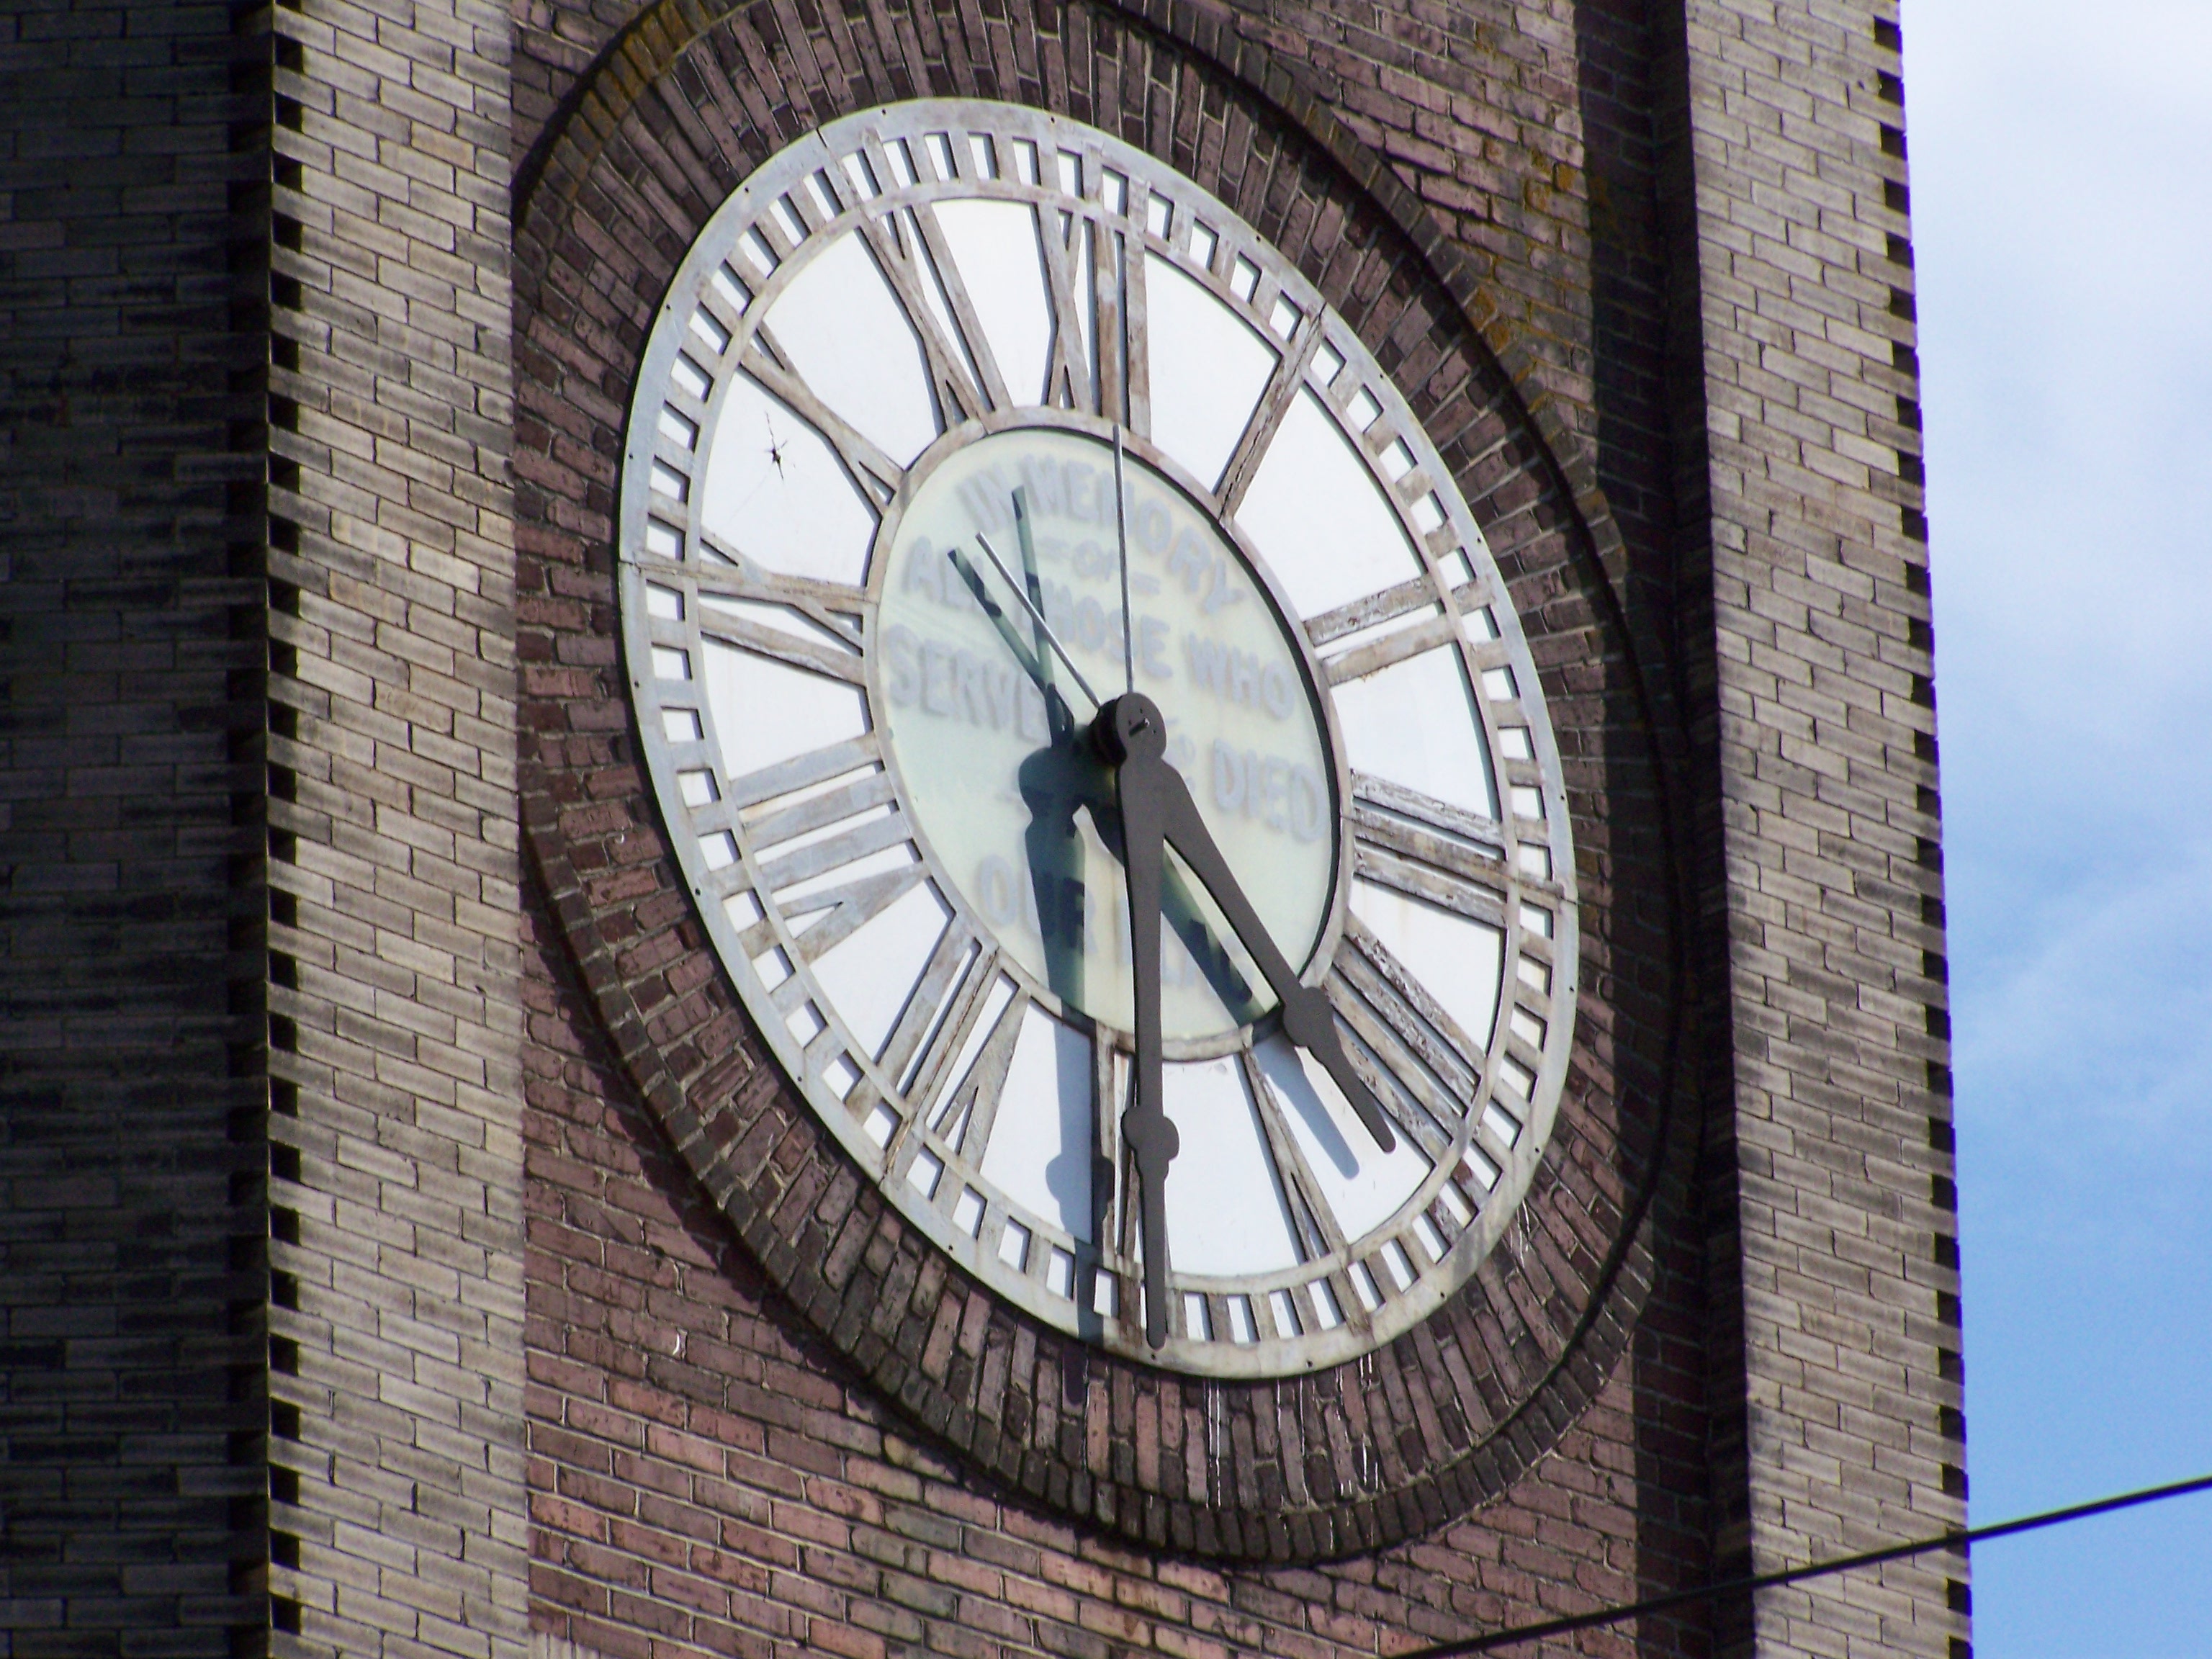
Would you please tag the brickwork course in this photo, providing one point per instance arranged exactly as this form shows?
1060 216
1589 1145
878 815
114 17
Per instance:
358 1299
1820 744
129 973
396 1508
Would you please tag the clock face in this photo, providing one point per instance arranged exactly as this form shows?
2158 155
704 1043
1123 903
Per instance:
948 328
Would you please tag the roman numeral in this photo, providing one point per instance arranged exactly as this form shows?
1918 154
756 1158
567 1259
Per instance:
790 886
1319 1233
1412 1039
939 1012
1106 1192
1384 629
970 1113
801 771
911 252
1112 353
854 804
874 473
1419 845
1136 326
849 907
1404 599
794 646
1069 383
855 800
1267 414
851 809
729 574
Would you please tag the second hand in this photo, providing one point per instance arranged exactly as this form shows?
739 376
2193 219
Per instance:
1121 539
1035 615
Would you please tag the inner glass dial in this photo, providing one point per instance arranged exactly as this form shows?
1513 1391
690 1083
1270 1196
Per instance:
1020 814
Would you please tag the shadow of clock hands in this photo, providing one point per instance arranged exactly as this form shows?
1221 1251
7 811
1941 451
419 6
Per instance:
1067 776
1057 783
1180 908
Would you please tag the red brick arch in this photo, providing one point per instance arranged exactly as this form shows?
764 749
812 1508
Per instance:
683 105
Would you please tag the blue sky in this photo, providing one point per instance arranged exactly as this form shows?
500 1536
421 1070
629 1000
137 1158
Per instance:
2061 194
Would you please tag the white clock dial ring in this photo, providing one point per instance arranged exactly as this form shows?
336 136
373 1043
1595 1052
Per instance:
871 343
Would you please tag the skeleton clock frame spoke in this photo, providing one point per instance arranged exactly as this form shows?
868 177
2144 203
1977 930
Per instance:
830 606
910 251
1283 388
876 475
1319 1235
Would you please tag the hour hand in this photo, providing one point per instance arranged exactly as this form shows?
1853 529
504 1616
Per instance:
1135 733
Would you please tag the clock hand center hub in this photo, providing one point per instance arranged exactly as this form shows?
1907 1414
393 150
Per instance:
1131 727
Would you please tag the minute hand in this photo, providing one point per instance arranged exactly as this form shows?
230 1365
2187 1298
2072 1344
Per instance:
1307 1019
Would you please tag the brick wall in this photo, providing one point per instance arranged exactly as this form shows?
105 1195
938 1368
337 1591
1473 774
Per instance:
1836 1283
130 143
396 1285
1682 233
706 1475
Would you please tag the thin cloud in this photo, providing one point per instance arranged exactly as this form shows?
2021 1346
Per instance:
2062 226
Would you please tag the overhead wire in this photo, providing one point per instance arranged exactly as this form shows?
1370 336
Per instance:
1713 1592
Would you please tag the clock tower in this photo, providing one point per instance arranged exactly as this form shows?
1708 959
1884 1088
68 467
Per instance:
1095 828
